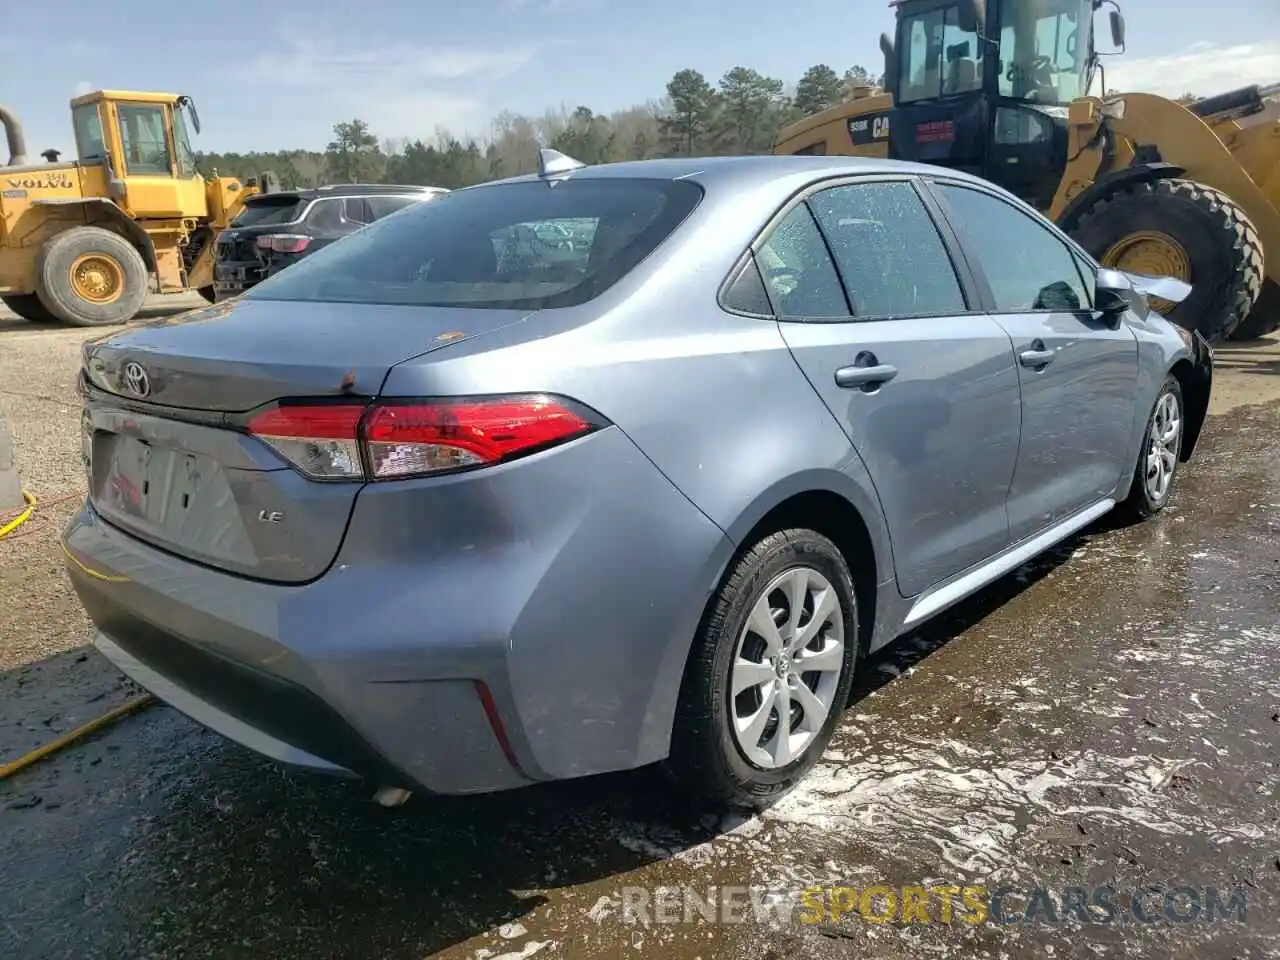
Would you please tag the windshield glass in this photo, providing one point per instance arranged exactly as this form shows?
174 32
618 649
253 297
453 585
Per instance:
527 245
1044 53
937 58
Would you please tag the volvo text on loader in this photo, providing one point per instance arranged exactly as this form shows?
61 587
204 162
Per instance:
85 242
1142 182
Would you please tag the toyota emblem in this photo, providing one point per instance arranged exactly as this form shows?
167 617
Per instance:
136 380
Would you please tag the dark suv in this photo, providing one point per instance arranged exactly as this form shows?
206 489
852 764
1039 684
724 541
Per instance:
277 229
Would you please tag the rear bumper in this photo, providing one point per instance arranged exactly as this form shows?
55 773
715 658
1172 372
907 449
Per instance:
557 595
232 277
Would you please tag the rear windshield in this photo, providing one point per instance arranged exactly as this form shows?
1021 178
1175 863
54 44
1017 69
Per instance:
527 245
268 210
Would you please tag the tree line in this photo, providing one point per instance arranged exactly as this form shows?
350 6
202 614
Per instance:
742 113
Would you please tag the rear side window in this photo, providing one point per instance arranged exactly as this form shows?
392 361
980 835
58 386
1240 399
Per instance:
378 207
889 252
799 272
267 211
528 245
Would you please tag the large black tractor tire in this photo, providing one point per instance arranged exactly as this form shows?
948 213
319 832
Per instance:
1211 244
90 277
29 307
1264 318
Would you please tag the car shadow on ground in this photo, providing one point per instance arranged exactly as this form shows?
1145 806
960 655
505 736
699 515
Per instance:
160 835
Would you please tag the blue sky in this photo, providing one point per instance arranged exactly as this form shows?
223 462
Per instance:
279 73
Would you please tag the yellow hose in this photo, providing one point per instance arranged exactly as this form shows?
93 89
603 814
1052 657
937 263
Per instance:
21 518
9 769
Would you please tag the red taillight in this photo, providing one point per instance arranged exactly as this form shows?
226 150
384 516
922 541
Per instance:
283 242
416 438
320 440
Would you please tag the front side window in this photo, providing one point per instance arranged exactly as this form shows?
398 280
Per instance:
1028 267
146 147
799 272
890 254
1044 50
490 246
937 58
186 156
88 126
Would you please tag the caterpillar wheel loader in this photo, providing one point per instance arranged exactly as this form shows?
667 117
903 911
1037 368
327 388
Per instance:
85 242
1143 183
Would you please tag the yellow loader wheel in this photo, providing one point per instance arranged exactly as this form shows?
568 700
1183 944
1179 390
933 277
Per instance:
91 277
1184 229
29 307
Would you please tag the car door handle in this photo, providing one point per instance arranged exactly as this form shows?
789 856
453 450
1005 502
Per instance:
869 376
1036 356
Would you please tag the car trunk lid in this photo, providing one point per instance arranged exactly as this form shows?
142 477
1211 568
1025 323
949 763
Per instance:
167 454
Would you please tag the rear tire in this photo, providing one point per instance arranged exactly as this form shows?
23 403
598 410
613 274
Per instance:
91 277
1264 318
717 755
29 307
1213 238
1158 456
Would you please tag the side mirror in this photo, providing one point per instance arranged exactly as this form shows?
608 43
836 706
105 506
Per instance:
969 13
890 63
1113 293
1117 29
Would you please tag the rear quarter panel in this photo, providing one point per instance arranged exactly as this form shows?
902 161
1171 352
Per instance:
715 401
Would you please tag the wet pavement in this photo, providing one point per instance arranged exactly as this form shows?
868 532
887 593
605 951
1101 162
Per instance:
1107 717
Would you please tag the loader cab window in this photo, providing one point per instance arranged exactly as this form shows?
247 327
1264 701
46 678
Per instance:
146 146
1045 48
938 58
186 156
90 146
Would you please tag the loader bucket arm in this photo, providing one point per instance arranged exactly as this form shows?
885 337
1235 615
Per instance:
1185 140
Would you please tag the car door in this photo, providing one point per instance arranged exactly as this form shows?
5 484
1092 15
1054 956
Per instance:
1078 368
874 312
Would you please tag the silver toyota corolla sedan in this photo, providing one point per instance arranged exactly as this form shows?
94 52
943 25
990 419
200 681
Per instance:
456 509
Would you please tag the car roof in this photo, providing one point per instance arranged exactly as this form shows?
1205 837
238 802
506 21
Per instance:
350 190
748 171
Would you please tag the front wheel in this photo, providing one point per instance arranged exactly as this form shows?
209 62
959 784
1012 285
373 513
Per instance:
769 673
1158 457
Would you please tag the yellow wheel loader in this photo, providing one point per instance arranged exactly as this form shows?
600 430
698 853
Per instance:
1142 182
85 242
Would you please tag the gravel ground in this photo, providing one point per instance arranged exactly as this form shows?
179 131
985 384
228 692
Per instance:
1107 715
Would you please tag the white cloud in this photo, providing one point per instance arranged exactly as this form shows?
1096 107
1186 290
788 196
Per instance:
553 6
82 87
401 89
1203 69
